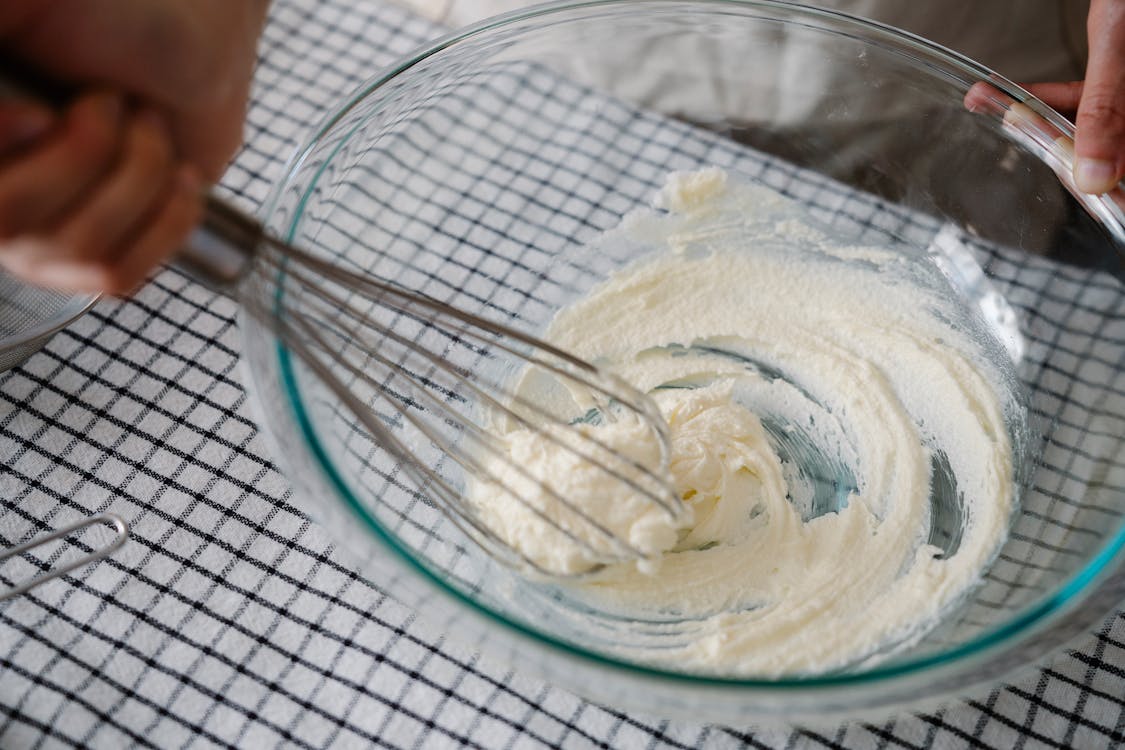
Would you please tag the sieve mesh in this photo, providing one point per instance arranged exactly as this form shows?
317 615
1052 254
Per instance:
29 315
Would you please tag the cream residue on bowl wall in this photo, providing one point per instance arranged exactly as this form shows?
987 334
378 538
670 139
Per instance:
817 393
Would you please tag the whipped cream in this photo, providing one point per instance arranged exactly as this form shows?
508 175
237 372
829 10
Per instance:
818 395
563 495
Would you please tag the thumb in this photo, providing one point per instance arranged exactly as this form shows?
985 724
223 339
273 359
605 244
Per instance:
1099 143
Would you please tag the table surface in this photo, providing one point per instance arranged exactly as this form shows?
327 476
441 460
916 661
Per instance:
228 619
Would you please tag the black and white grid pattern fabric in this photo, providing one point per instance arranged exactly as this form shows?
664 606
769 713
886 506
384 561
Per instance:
229 621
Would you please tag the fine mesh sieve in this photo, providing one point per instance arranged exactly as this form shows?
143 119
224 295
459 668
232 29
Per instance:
29 316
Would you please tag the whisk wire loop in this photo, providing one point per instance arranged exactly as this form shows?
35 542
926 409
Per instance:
348 328
362 325
468 460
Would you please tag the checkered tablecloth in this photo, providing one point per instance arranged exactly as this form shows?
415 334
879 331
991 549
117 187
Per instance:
228 620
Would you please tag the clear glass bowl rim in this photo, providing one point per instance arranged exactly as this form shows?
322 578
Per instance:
938 59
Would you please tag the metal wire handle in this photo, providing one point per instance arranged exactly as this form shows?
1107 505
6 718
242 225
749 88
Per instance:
99 554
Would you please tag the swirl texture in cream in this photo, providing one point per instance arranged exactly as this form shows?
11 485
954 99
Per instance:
824 400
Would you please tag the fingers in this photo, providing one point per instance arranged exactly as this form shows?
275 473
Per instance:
984 97
162 236
1063 97
40 184
158 239
126 196
132 217
1099 142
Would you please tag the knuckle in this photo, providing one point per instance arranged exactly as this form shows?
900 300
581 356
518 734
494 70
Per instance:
1106 110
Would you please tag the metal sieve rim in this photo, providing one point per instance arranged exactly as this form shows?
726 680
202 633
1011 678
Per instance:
35 337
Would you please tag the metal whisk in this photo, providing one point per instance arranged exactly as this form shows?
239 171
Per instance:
388 355
348 325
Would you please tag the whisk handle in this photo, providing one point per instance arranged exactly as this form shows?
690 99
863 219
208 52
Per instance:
220 250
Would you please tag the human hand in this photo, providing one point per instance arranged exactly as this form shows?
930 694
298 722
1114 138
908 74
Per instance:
1099 101
92 198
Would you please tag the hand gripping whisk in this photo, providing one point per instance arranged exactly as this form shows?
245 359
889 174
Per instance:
423 377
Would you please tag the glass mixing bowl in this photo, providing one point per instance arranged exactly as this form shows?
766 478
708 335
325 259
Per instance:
476 171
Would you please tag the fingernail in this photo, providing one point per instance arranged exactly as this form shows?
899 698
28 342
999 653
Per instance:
1094 175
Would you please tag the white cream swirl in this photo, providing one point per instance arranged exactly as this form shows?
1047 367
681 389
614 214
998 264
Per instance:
816 395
